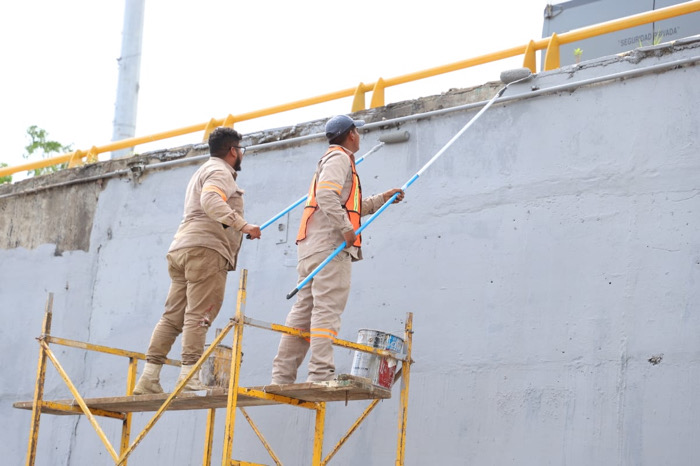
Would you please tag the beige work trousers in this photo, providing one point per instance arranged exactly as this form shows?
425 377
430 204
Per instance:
198 282
318 308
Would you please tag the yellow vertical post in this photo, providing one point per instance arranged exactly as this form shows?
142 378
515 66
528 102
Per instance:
551 58
235 370
358 99
211 126
405 380
92 155
318 434
378 94
39 387
209 438
76 159
530 58
229 121
126 423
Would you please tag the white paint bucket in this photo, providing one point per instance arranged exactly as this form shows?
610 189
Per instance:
380 370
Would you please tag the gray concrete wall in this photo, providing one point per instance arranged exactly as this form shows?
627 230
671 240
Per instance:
551 259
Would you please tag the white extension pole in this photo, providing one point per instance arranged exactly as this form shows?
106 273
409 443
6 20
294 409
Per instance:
509 78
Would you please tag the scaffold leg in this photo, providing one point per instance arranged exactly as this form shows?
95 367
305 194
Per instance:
39 387
209 438
318 434
126 423
405 380
235 371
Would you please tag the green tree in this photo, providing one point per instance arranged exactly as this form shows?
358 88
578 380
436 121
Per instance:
40 144
5 179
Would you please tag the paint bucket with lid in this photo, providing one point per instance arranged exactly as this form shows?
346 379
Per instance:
380 370
216 369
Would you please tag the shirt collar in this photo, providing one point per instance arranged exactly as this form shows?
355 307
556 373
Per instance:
347 151
350 153
228 167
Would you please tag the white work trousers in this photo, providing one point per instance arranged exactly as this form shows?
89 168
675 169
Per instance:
317 309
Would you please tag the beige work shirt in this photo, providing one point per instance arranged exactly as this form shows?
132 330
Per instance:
324 231
213 199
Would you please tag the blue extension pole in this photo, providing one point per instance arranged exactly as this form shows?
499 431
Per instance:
303 198
404 187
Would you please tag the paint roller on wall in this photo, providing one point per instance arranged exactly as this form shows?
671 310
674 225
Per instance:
508 78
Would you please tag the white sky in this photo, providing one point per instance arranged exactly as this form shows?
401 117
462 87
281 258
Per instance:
205 59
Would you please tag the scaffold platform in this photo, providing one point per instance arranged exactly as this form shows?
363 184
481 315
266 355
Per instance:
231 396
346 388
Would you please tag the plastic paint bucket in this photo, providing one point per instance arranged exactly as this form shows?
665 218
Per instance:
380 370
216 369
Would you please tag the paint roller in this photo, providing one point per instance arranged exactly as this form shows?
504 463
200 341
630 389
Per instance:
389 138
508 78
513 76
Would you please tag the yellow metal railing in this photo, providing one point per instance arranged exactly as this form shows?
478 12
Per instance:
551 61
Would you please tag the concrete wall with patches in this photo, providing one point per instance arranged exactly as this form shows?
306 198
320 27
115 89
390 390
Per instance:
551 259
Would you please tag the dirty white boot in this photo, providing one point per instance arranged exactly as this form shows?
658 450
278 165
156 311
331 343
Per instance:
149 382
194 383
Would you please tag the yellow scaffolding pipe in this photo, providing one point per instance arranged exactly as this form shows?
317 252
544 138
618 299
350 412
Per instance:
81 402
306 334
126 424
176 391
104 349
350 431
235 370
39 386
405 380
261 437
277 398
237 324
55 406
378 87
317 456
209 438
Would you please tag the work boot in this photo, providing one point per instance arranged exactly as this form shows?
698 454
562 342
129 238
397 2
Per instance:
149 382
194 384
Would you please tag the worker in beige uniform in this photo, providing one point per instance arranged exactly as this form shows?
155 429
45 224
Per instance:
204 249
331 216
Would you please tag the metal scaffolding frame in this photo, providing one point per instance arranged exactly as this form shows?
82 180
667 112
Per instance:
315 395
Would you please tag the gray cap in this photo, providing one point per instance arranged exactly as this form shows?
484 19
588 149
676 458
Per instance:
340 124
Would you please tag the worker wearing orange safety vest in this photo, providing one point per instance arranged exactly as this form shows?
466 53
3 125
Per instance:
331 216
353 205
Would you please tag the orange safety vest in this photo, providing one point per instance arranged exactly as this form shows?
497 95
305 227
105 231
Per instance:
353 204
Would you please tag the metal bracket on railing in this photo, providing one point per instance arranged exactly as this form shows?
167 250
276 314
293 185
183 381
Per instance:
77 158
229 121
213 123
378 94
92 154
530 58
358 99
551 58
